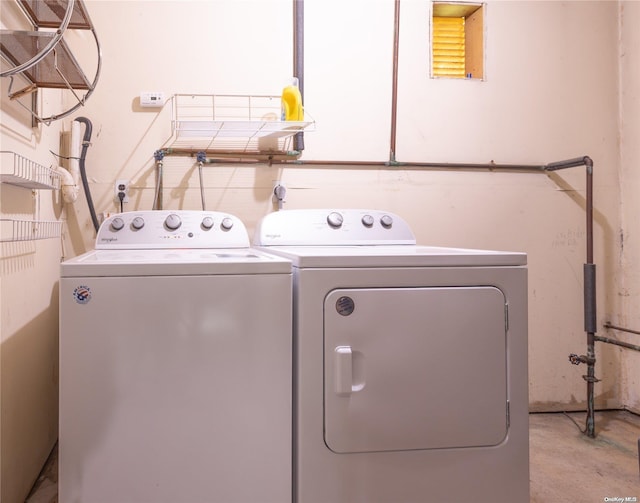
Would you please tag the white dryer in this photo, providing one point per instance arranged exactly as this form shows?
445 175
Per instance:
175 365
410 363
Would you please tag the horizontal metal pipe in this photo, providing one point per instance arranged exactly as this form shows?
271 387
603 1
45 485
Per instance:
627 345
337 163
256 157
554 166
490 166
621 329
421 165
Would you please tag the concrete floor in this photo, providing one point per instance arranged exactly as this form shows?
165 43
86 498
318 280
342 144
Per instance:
566 466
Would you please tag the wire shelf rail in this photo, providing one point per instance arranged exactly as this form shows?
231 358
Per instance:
12 230
18 170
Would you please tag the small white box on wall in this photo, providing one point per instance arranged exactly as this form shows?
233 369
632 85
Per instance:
152 99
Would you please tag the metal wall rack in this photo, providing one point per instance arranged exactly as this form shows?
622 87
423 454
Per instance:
12 230
215 123
43 58
22 172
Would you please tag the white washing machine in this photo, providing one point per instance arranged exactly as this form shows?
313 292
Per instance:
175 365
410 363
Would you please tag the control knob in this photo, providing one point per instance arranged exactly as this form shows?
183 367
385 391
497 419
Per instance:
172 222
335 219
386 221
227 223
117 224
137 223
367 220
207 223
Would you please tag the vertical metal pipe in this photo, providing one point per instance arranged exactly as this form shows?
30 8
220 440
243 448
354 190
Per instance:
590 322
590 305
298 60
589 297
589 164
394 85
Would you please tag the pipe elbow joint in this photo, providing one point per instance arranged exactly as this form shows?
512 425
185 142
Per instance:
69 186
588 162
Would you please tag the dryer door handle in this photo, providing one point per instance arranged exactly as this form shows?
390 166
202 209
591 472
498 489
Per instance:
345 371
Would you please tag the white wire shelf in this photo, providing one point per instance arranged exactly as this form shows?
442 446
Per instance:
232 123
18 170
28 230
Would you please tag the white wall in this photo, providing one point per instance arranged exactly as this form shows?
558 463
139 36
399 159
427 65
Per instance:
29 272
550 93
29 315
627 292
540 103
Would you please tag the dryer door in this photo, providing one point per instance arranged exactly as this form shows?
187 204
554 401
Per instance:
414 368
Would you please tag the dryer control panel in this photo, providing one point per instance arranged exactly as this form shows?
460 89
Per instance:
331 227
172 229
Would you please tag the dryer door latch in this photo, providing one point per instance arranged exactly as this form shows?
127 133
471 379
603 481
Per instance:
344 371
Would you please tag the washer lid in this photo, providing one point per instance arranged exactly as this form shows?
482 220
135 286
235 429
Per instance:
395 256
174 262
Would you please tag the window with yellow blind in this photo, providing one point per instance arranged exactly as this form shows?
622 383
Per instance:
457 40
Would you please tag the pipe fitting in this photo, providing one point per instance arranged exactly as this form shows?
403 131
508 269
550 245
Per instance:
69 186
588 162
578 359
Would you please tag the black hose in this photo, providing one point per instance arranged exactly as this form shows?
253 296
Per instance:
86 141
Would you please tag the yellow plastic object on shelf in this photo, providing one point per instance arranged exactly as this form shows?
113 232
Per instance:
292 102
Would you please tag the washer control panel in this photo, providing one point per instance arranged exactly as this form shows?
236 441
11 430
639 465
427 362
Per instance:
172 229
332 227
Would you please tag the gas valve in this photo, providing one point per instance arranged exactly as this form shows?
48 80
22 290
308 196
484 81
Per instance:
576 360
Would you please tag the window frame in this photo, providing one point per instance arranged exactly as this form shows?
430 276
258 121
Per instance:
473 15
